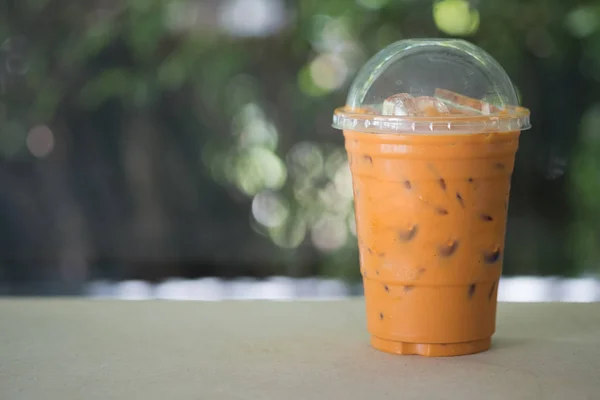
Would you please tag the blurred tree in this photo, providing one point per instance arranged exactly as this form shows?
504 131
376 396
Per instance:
147 138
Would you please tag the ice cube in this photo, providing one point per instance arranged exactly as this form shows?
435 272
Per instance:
401 104
459 104
430 107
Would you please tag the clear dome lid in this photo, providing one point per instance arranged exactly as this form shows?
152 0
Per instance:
432 86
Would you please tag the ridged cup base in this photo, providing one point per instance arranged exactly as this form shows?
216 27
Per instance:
431 349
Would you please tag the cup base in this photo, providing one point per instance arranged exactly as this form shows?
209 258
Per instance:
431 349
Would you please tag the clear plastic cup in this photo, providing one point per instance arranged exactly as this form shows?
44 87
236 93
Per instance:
431 130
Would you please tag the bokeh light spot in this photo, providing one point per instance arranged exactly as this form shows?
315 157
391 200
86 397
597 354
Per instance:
258 169
305 161
329 233
333 201
40 141
252 17
335 159
269 209
343 181
290 234
328 72
254 129
582 21
456 17
307 85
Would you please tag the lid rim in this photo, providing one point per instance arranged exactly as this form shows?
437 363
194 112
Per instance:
518 112
377 123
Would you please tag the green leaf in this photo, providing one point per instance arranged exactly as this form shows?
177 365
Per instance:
171 73
47 100
111 83
146 30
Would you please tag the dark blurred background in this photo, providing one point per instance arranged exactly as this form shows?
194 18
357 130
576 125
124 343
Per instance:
149 139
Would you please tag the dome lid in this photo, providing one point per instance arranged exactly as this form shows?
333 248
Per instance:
432 86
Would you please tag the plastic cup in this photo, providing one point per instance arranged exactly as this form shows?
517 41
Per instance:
431 129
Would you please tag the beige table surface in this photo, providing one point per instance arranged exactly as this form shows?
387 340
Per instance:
98 349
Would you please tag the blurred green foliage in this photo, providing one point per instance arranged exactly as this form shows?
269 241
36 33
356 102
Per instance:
178 141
